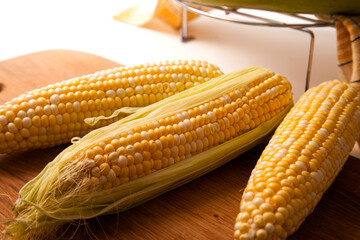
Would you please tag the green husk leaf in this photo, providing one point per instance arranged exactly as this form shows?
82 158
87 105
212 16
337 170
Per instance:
57 195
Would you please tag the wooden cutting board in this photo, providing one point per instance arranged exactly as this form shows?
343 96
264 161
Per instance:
205 208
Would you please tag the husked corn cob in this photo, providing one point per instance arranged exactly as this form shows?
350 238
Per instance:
301 161
54 114
155 149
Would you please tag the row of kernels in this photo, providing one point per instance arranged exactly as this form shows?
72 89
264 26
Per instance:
267 83
106 105
43 131
51 120
166 66
66 93
262 91
152 68
17 142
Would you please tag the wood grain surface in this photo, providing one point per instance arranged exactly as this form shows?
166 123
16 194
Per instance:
205 208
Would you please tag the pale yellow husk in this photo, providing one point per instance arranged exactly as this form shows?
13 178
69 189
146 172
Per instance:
42 202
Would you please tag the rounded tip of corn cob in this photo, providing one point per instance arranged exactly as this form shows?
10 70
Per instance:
300 162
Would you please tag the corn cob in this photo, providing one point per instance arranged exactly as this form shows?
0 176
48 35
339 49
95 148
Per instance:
154 150
54 114
301 161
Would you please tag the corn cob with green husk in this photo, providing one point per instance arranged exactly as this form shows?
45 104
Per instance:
302 159
54 114
153 150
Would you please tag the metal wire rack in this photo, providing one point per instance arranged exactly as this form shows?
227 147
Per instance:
302 23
